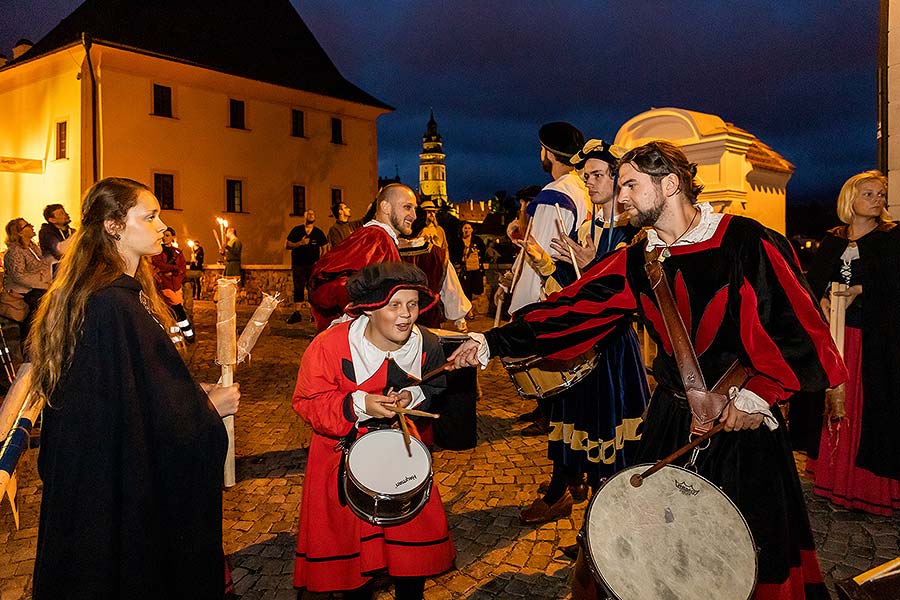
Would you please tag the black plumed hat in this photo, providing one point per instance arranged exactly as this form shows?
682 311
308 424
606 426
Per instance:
372 287
561 138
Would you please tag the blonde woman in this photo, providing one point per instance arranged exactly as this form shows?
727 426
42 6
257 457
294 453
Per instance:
25 276
859 465
132 448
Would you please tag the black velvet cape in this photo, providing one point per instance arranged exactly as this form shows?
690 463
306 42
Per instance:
131 460
879 251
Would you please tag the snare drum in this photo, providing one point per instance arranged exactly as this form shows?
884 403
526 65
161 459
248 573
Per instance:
676 536
536 377
382 483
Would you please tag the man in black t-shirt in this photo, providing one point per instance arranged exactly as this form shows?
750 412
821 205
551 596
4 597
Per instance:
306 243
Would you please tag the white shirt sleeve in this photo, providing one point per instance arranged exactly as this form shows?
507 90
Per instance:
543 229
484 353
359 406
749 402
418 396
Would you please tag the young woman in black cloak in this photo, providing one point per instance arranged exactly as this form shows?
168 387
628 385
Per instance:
132 448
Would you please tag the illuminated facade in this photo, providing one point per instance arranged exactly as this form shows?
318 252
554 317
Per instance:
245 137
432 170
741 175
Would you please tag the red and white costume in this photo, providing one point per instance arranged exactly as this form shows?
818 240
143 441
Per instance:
337 550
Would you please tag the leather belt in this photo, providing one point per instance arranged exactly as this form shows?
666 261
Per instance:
706 406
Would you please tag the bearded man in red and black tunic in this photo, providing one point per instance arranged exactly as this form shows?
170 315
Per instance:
741 295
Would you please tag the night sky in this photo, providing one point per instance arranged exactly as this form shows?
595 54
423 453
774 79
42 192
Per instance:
799 75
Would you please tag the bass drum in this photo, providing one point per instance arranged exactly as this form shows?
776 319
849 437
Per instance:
382 483
676 536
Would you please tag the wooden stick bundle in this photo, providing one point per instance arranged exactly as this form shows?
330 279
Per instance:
226 356
838 313
15 399
516 273
255 325
563 233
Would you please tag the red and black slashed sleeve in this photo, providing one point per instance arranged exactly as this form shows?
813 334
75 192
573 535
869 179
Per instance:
572 320
783 333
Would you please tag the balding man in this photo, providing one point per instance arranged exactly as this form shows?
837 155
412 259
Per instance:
374 242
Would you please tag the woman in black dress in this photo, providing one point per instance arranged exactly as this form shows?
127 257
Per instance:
471 262
859 454
132 448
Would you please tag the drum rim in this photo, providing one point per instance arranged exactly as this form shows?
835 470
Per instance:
532 360
389 521
375 493
586 546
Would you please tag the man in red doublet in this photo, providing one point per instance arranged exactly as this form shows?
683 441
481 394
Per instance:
374 242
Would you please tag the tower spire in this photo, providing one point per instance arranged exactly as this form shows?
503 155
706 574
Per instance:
432 171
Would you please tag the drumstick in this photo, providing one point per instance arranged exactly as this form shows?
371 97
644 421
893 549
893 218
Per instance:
405 429
562 232
520 259
516 271
412 412
431 374
638 478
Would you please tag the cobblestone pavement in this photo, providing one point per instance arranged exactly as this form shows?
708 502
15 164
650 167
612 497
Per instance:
483 490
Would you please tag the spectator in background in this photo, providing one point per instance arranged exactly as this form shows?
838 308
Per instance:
471 260
432 232
306 243
196 264
169 272
442 278
55 233
25 276
197 257
342 227
859 452
232 253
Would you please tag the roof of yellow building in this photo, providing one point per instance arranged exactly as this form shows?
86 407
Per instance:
265 40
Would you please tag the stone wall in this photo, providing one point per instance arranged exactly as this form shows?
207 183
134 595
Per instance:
255 280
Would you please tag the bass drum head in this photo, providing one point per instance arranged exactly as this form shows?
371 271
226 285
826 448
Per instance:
676 537
379 462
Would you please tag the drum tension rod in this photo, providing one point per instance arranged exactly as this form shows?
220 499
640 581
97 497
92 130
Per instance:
638 478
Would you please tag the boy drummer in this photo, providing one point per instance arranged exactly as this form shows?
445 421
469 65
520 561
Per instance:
348 375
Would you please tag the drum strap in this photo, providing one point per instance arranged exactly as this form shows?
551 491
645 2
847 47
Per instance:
343 446
705 406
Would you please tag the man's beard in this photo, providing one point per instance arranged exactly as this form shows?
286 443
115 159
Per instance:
649 217
547 165
400 226
308 222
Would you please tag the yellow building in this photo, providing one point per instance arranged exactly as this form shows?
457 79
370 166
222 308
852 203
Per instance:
741 175
222 109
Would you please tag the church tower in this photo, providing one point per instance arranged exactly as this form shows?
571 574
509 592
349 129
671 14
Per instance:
432 171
